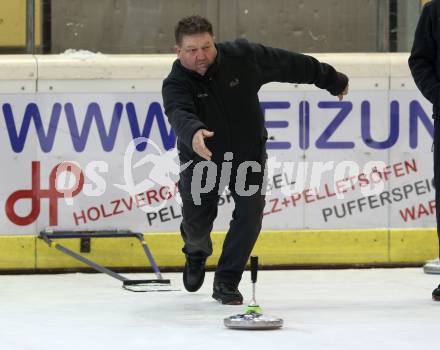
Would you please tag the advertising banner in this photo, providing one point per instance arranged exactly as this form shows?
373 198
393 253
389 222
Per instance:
100 161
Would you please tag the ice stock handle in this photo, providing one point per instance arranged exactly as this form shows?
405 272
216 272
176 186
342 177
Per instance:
254 268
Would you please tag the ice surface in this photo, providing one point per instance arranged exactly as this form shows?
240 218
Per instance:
322 309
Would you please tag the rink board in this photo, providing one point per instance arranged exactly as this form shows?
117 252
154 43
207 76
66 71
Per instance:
274 248
350 182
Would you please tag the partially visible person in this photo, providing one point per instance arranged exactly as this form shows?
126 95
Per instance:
211 101
424 63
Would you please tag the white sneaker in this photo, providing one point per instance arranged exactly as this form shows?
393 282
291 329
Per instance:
432 266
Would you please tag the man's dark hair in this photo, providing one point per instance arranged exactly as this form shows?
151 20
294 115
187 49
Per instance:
191 25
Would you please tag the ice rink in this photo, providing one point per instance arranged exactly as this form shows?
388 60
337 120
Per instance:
322 309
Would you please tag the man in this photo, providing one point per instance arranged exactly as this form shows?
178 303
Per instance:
211 101
424 63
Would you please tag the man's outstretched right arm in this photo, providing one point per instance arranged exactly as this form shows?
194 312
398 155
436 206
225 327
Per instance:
181 112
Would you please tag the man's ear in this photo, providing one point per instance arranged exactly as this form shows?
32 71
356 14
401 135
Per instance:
177 49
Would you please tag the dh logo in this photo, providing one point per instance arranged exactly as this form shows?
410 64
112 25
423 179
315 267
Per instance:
35 194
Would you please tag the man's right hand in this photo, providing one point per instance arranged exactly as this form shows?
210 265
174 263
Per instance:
198 143
343 93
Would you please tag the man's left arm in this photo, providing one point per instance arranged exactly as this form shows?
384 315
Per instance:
289 67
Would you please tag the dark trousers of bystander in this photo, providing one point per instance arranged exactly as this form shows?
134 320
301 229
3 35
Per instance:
436 150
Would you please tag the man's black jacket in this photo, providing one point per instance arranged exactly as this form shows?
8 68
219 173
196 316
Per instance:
225 99
424 60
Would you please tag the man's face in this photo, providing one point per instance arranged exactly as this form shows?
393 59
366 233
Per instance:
197 52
